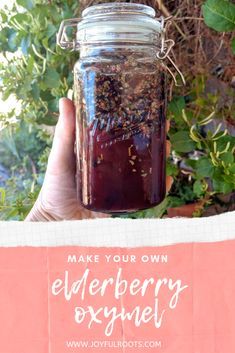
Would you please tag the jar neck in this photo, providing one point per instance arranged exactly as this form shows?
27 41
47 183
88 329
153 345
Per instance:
117 32
114 50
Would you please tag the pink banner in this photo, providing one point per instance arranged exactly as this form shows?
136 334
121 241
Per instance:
173 299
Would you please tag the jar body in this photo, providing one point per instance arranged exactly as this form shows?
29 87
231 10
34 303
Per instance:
120 98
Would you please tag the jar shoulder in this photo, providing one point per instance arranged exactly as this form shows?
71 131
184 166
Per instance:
118 65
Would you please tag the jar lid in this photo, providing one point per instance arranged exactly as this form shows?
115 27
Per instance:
121 23
126 7
113 22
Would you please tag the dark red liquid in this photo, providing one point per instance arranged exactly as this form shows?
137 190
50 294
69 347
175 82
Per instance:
121 141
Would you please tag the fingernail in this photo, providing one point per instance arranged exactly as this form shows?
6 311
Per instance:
61 105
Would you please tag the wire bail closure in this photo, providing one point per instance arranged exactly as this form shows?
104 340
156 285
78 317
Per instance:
166 46
163 53
62 38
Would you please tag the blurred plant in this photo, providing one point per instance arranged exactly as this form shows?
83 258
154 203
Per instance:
220 15
24 153
40 72
202 161
37 73
203 148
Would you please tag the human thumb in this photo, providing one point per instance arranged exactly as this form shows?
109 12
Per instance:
62 159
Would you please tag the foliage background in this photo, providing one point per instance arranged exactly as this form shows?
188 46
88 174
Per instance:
35 73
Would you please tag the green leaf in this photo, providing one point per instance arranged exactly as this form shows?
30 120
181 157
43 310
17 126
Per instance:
30 64
174 201
12 41
45 43
53 105
219 15
223 142
181 142
6 94
158 211
191 163
6 34
227 157
229 179
46 96
155 212
51 30
171 169
204 167
47 120
233 46
3 16
232 168
176 106
51 78
198 188
222 186
186 192
2 196
25 44
35 91
21 18
27 4
23 89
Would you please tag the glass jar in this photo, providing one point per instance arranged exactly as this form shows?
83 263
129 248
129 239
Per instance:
120 99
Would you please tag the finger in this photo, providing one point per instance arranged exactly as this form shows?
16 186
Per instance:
65 128
61 158
168 148
167 125
169 182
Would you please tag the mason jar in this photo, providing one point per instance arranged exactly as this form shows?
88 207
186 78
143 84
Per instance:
120 98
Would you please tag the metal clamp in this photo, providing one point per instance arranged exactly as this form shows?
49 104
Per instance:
62 38
166 46
163 53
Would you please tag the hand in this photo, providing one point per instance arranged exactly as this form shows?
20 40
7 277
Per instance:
57 199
